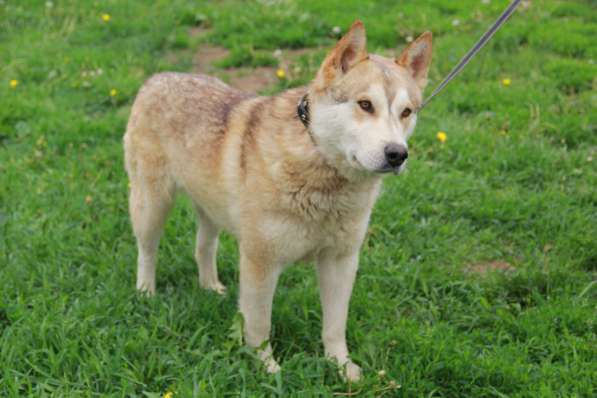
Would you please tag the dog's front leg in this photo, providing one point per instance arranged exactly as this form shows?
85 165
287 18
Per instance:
336 277
258 279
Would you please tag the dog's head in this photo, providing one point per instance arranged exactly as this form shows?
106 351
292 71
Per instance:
364 107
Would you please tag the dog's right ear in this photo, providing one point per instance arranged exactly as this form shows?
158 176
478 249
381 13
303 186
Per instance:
349 51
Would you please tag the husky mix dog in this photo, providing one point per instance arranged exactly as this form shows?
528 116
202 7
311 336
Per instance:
290 182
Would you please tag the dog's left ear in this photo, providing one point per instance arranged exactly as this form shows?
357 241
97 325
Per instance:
417 57
349 51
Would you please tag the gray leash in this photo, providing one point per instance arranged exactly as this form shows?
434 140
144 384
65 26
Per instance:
473 51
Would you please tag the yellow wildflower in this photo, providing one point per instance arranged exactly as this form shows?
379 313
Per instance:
442 136
113 92
281 73
106 17
13 83
169 394
506 81
88 199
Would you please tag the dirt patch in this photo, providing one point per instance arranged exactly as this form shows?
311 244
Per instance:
198 31
206 57
252 80
492 266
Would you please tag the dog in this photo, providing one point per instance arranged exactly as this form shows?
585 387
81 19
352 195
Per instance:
292 176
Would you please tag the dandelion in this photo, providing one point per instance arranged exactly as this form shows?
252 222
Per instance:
169 394
13 83
113 92
88 199
506 81
106 17
281 73
442 136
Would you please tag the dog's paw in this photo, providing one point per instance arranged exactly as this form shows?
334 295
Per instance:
146 289
271 366
351 372
348 370
216 286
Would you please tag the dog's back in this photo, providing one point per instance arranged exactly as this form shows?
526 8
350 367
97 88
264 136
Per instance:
187 111
175 134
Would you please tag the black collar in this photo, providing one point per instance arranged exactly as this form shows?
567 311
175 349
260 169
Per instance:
303 110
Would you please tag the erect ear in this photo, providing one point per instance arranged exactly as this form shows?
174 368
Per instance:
417 57
349 51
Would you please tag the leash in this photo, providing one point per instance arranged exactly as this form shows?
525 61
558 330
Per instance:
474 50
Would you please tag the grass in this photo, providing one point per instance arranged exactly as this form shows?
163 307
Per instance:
514 182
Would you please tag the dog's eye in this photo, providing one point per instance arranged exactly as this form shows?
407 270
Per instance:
366 105
406 113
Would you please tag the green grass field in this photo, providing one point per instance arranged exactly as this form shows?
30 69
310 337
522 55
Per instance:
513 186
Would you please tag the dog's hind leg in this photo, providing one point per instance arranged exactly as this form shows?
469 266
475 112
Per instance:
148 214
205 253
151 197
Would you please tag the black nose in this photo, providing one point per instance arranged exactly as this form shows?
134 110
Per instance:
396 154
